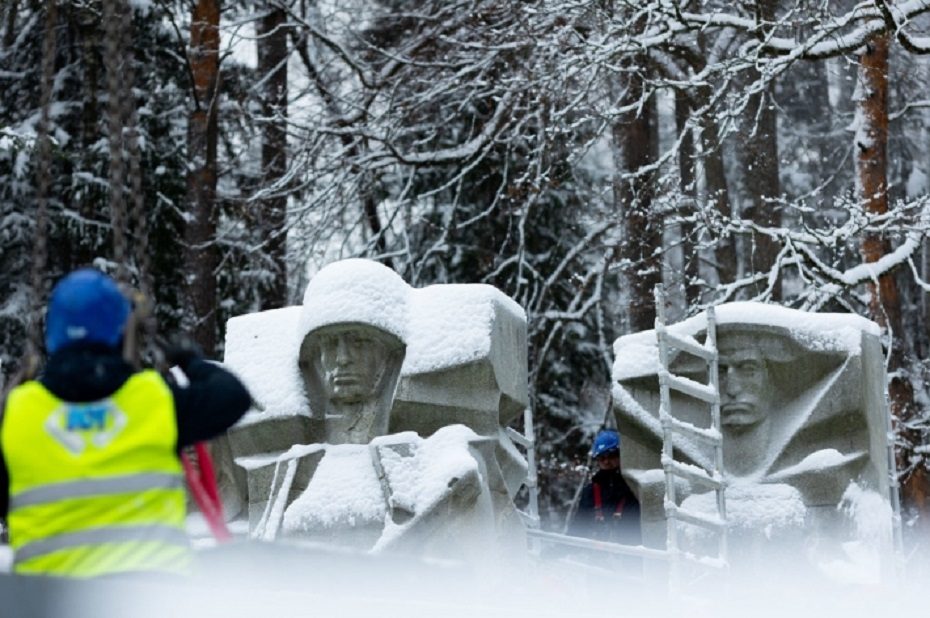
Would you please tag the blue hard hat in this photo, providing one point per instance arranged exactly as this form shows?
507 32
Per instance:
86 307
607 440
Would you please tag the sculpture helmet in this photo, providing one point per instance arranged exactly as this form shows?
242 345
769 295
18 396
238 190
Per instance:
86 307
607 440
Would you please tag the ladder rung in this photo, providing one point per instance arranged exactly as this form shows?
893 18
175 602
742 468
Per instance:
696 519
690 345
692 473
704 392
519 438
529 520
708 435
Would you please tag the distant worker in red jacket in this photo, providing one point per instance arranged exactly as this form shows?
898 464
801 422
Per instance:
90 479
608 510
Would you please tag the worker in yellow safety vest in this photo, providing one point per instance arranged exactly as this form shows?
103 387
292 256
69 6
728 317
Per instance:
90 478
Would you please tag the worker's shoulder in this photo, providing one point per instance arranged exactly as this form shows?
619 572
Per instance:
148 376
28 390
147 381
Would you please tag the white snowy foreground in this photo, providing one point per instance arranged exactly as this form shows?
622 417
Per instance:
275 581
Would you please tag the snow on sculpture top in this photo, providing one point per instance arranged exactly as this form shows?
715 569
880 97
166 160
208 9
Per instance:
452 324
259 347
359 291
470 328
817 332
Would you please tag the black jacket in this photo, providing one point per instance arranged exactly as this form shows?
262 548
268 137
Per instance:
213 401
617 520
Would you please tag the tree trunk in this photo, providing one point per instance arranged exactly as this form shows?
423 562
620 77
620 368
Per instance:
88 26
272 68
718 197
9 32
884 301
688 187
636 144
200 229
760 169
43 189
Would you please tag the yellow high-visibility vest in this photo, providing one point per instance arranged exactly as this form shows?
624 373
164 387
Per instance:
95 488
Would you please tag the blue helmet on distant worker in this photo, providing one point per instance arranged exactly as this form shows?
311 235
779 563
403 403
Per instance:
86 307
607 441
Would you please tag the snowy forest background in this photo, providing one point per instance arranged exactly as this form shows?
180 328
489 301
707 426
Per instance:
573 153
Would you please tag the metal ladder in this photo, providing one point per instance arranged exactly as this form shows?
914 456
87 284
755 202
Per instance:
528 442
711 436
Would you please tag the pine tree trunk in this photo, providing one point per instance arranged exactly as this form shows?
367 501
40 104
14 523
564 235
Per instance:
635 142
760 169
884 300
200 229
9 32
688 189
272 68
89 30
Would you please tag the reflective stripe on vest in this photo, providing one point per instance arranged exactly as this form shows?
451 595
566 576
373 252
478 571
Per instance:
116 534
97 487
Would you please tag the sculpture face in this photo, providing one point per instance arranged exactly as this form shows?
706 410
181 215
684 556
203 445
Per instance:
352 360
746 389
350 372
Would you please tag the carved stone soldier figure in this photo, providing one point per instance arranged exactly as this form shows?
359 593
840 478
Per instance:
803 419
380 425
354 316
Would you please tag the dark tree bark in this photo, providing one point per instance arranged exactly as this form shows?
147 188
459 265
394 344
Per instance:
760 167
9 32
89 31
635 141
272 67
687 186
884 298
718 195
200 229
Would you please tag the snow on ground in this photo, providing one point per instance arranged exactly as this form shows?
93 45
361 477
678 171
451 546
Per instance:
248 581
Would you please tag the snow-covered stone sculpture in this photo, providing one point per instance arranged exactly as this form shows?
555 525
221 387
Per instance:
379 413
354 322
803 417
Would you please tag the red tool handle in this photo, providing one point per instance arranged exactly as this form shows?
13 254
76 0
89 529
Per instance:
206 495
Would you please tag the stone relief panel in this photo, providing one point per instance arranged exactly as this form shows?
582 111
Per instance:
359 383
803 417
